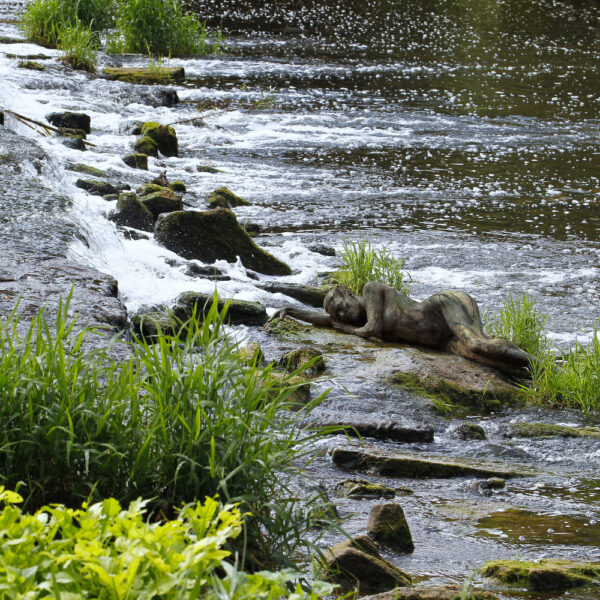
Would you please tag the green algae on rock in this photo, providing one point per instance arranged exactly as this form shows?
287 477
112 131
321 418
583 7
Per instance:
31 65
546 430
387 523
130 212
146 145
97 187
545 575
239 312
214 235
145 75
225 198
82 168
164 137
136 161
300 358
433 592
288 328
208 169
178 186
153 324
361 488
469 431
410 465
162 202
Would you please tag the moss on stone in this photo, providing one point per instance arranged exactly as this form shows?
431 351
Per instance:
145 75
131 212
151 325
387 523
31 65
136 161
301 357
545 430
149 188
97 187
225 198
164 137
469 431
239 311
297 386
162 202
361 488
252 354
545 575
288 328
81 168
179 186
146 145
208 169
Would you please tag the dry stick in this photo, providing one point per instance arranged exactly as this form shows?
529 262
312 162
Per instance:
47 127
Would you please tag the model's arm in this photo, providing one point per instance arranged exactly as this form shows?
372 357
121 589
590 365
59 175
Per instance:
373 296
310 316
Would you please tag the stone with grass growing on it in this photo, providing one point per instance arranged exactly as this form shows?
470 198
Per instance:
215 235
130 212
387 523
137 160
225 198
146 145
145 75
164 137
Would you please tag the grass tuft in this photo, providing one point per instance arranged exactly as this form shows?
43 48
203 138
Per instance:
361 263
79 46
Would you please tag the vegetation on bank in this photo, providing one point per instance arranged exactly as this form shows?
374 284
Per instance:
153 27
180 419
104 551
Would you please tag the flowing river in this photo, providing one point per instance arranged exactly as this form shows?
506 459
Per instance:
462 135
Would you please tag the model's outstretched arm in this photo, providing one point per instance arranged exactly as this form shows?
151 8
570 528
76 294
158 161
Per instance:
310 316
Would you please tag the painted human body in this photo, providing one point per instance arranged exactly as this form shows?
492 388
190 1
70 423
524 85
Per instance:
448 321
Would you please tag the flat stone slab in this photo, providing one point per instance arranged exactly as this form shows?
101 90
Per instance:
432 592
385 431
412 466
548 430
144 74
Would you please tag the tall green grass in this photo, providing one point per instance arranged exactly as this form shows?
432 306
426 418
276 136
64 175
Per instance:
361 263
79 46
180 419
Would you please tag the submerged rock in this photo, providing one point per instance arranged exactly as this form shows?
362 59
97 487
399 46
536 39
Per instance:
357 563
550 575
413 466
70 120
162 202
387 523
145 75
240 311
433 592
469 431
136 161
301 357
546 430
130 212
313 296
361 488
164 137
225 198
214 235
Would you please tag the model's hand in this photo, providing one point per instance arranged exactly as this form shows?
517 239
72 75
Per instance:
279 314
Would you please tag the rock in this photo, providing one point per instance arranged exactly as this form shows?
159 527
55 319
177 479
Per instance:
135 128
81 168
159 203
361 488
70 120
433 592
357 563
496 483
252 228
214 235
164 137
252 354
387 523
288 328
469 431
149 188
207 169
386 431
1 118
146 145
178 186
31 65
453 382
413 466
130 212
145 74
322 249
487 486
297 387
548 575
136 161
300 358
313 296
240 311
97 187
133 234
546 430
212 273
151 325
111 197
75 143
159 97
225 198
5 39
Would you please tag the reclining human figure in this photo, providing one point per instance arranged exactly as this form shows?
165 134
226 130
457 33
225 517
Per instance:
448 321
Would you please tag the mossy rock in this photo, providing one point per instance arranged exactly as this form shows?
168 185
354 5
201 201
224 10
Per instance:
288 328
410 465
149 188
70 120
87 169
208 169
252 354
225 198
311 295
31 65
131 212
300 358
357 563
299 386
97 187
146 145
434 592
164 137
178 186
73 133
239 312
361 488
547 430
387 523
136 161
386 431
469 431
145 75
551 575
151 325
159 203
215 235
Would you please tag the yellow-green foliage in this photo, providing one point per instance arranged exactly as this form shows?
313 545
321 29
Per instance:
361 263
104 551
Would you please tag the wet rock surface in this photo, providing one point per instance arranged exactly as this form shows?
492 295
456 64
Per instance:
144 74
387 524
239 311
433 592
311 295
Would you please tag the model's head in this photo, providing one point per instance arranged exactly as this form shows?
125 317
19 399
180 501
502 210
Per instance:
344 306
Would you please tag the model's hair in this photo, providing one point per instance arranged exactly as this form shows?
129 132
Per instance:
336 292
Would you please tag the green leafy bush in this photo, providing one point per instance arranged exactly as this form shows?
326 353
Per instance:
161 28
79 46
180 419
361 264
103 551
520 322
42 19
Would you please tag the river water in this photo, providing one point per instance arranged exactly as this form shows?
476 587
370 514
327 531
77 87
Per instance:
462 135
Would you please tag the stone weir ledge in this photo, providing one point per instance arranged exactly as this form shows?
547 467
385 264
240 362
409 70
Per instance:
36 231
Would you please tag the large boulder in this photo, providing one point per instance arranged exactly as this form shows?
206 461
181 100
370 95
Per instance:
357 563
164 137
130 212
162 202
70 120
240 311
387 523
214 235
